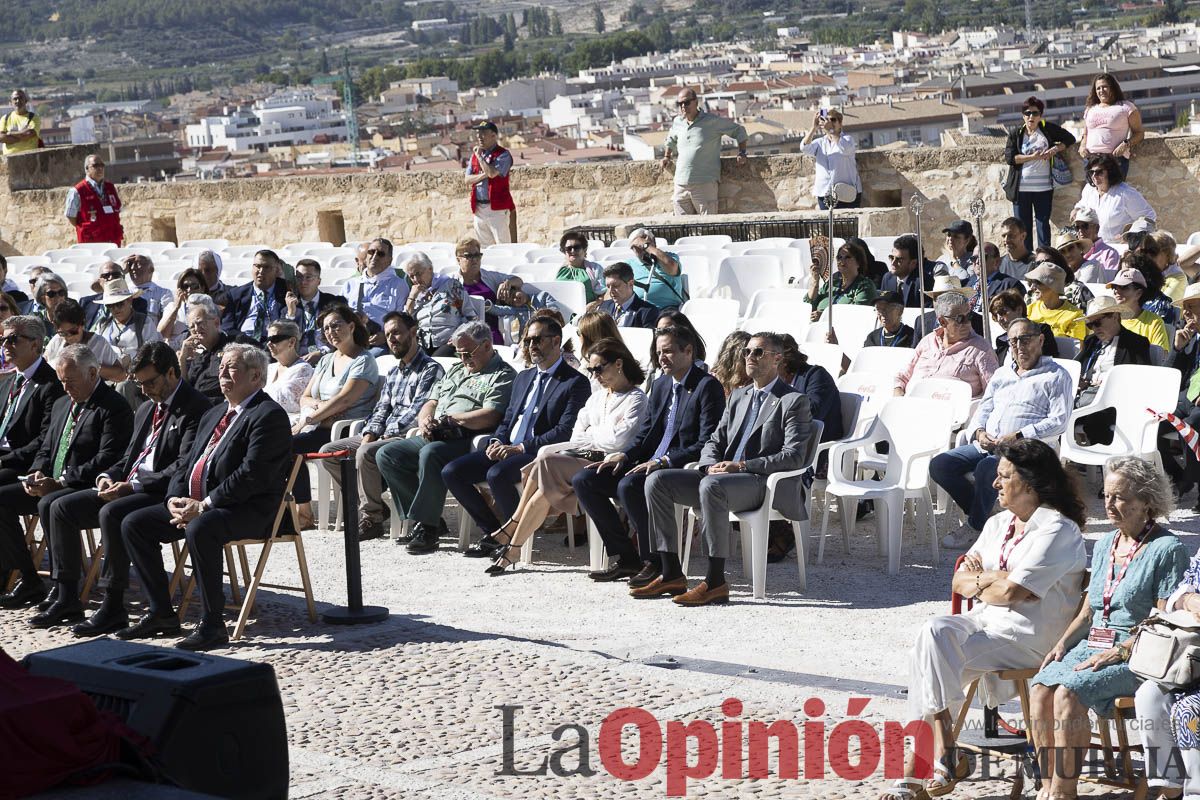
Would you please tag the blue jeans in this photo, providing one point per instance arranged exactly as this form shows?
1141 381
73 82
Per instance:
950 470
1031 207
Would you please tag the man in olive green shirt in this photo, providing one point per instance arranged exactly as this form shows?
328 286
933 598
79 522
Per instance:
696 137
469 400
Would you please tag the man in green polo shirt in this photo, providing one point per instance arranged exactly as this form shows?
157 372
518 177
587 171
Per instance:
469 400
696 136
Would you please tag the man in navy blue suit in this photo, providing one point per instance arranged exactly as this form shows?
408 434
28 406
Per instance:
902 276
686 404
629 310
546 399
255 305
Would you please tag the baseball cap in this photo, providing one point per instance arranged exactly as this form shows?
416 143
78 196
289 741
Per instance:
959 226
1087 215
889 297
485 125
1050 275
1128 277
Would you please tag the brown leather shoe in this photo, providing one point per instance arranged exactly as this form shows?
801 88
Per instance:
701 596
658 588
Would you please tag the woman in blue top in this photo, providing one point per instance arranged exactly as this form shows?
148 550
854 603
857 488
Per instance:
1134 568
344 385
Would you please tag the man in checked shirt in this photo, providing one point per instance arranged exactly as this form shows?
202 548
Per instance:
405 391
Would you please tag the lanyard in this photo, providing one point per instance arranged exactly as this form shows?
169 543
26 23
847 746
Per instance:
895 338
1007 554
1111 583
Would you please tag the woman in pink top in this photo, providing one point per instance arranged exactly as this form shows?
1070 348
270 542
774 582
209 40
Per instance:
1113 124
952 350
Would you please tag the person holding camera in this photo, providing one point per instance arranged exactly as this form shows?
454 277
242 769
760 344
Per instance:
469 400
657 275
833 154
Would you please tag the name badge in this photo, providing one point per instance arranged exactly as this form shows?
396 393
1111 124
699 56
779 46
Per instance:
1101 638
108 209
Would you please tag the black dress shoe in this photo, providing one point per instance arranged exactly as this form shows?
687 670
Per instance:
648 574
27 592
62 612
205 638
616 572
424 540
370 530
487 547
107 619
151 626
49 599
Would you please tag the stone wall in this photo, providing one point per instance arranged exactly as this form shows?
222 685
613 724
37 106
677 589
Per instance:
410 206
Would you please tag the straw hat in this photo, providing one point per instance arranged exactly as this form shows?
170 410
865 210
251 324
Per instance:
943 284
1107 304
1070 238
1192 292
117 291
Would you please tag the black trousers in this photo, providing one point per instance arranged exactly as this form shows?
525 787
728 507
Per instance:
503 478
146 530
80 510
14 502
595 493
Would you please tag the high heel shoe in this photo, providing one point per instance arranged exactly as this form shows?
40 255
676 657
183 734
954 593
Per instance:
490 545
501 564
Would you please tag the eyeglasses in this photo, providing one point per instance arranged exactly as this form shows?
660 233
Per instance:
534 339
683 103
69 333
12 339
108 276
575 248
958 319
596 370
55 293
1093 324
144 384
1029 112
1097 172
470 256
1023 341
466 354
376 252
757 352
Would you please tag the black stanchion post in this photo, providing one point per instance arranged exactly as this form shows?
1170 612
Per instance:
354 612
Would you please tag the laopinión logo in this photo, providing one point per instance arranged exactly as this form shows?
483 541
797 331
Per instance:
734 749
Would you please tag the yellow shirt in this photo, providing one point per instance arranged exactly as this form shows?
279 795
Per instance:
12 122
1151 326
1066 320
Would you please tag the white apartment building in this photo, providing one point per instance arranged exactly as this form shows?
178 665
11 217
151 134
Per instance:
295 117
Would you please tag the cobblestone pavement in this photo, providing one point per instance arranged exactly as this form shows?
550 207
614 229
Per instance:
409 708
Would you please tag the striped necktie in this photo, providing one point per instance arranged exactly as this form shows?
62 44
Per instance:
196 479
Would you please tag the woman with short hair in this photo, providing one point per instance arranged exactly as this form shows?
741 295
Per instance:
1117 204
173 325
1135 568
1030 152
288 374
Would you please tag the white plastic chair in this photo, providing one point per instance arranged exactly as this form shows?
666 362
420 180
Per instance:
712 240
882 359
539 272
78 288
854 423
638 341
714 318
58 255
1130 389
503 261
744 276
608 255
1074 369
518 249
754 525
244 250
949 390
17 264
916 429
881 246
570 293
118 253
790 301
1194 238
794 270
826 355
796 325
206 244
740 248
699 269
98 248
852 324
539 252
1068 346
154 248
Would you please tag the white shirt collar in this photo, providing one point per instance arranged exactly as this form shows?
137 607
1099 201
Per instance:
28 373
551 368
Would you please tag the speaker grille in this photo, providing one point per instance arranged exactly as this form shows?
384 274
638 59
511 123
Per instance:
120 706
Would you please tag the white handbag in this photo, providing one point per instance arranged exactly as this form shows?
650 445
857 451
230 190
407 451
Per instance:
1167 649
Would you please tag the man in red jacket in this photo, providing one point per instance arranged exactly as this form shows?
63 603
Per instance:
93 206
487 175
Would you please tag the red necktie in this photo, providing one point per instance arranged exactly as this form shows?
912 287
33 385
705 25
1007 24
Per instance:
160 415
196 482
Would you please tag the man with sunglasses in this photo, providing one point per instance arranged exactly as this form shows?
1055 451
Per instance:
95 311
471 399
1087 226
163 430
253 306
695 137
1108 344
27 394
546 399
1030 397
765 428
492 203
952 350
93 206
379 290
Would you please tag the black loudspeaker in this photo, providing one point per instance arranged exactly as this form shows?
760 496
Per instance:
216 723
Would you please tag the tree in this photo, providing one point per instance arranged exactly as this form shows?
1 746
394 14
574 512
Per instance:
555 24
598 18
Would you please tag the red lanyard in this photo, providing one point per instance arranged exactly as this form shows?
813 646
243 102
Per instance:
1006 554
1111 584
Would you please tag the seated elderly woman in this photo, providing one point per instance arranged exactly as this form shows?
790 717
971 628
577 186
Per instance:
288 374
70 320
344 385
437 303
608 423
1134 568
48 292
952 350
576 267
1108 345
1024 572
479 282
1169 719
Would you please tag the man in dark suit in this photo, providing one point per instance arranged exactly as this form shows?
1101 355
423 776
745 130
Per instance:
629 310
546 399
255 305
685 406
163 430
305 304
229 487
765 428
200 352
88 431
902 276
27 395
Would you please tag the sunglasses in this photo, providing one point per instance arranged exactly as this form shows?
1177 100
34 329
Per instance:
756 352
190 287
108 276
465 354
683 103
1030 113
279 337
373 253
574 248
12 339
534 339
55 293
470 256
1093 324
596 370
958 319
1097 172
1023 341
69 333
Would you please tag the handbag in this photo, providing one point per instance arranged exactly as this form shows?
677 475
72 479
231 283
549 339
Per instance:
585 453
1011 183
1167 649
1060 171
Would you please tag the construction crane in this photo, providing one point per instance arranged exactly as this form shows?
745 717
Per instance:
348 104
1028 18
